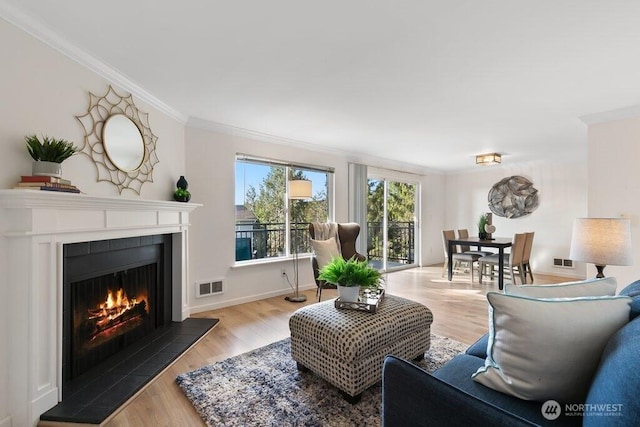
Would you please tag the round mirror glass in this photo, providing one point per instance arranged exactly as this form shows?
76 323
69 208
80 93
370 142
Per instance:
123 142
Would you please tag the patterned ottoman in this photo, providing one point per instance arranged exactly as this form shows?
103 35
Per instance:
347 347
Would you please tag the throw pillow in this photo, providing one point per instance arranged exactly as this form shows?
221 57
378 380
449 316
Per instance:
541 349
325 250
584 288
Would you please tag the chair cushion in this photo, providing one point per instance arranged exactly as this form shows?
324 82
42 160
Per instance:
584 288
495 258
325 250
457 372
541 349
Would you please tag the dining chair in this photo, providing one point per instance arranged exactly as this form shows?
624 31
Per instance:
511 261
463 233
528 244
456 256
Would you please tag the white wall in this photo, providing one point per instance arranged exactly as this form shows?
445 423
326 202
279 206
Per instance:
210 166
562 196
614 184
41 92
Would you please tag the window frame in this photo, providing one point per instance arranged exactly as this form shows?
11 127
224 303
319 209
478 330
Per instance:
288 166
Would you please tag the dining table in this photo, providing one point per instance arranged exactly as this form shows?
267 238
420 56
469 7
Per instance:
498 242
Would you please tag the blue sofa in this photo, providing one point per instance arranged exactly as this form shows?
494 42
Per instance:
450 397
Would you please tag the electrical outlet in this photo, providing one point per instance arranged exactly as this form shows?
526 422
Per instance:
283 272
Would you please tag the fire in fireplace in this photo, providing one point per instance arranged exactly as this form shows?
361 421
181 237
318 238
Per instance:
115 316
109 312
115 293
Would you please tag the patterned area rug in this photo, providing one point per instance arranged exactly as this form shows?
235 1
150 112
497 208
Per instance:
264 388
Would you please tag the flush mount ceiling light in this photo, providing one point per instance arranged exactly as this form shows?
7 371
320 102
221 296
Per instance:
489 159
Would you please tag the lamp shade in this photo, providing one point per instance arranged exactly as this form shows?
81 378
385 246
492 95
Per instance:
299 189
602 241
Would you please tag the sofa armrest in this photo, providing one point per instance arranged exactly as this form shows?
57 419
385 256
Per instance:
413 397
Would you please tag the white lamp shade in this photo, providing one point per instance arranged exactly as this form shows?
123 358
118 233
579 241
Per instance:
602 241
299 189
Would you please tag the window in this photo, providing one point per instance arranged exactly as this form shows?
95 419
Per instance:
268 224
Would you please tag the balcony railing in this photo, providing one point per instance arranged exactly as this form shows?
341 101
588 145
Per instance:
268 241
401 241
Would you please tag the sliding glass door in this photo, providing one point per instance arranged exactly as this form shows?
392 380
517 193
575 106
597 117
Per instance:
392 208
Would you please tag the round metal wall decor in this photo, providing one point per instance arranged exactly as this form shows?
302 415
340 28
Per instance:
513 197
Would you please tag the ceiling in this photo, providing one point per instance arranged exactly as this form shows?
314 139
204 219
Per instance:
429 83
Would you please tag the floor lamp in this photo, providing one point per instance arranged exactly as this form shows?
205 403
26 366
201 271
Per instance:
299 189
601 241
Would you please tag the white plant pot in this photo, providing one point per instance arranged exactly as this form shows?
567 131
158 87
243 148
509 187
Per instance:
349 293
46 169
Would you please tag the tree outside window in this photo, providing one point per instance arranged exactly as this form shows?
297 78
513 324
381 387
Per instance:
262 217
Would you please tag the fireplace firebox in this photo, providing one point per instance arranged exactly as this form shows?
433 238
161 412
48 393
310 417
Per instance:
115 292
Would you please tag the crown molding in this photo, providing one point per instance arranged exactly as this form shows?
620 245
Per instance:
607 116
42 32
375 161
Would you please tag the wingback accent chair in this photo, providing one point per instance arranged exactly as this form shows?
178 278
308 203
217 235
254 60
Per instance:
347 234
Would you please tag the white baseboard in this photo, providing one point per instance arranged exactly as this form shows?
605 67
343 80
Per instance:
242 300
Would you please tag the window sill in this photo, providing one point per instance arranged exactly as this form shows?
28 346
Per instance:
266 261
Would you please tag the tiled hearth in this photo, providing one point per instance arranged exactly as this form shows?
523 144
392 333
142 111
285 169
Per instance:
97 394
35 227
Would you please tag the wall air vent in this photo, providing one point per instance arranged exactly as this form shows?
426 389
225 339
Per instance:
563 263
205 289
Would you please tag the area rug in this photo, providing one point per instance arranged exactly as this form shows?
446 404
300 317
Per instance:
264 388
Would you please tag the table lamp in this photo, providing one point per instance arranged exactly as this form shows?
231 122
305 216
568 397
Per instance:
299 189
601 241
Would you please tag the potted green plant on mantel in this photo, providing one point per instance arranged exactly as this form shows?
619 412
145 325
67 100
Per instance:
349 276
48 154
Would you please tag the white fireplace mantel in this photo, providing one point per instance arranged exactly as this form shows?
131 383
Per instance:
34 226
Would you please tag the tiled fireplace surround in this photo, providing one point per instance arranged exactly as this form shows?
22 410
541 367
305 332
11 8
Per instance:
35 226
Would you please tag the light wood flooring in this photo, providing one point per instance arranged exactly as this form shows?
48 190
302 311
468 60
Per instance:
459 310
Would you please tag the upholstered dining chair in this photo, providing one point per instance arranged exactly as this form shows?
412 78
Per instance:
511 261
457 257
526 266
463 233
347 236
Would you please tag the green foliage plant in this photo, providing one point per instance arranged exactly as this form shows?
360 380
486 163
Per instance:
49 149
482 221
350 273
182 193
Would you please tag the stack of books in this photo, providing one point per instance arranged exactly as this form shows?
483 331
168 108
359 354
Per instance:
46 183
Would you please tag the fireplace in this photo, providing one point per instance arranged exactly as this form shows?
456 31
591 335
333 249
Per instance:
115 292
35 229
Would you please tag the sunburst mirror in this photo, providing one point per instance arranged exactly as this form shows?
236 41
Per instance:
119 140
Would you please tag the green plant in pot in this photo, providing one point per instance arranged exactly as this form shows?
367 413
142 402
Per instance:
48 154
349 276
482 223
182 194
